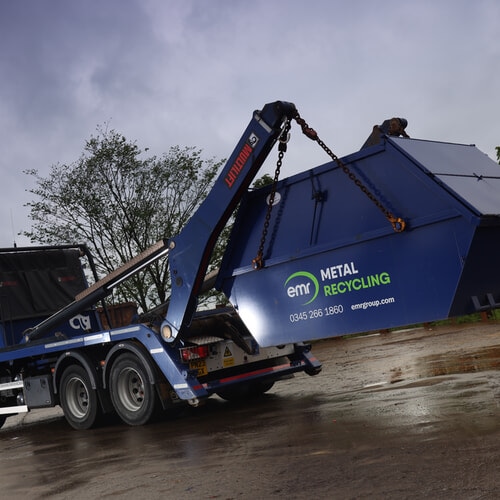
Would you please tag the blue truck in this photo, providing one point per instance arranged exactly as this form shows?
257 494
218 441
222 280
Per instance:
402 231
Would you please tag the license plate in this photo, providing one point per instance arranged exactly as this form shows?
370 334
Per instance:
200 365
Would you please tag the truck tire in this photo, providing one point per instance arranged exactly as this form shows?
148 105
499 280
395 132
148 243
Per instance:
78 399
134 397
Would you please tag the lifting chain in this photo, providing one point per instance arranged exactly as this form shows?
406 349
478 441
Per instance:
258 262
398 224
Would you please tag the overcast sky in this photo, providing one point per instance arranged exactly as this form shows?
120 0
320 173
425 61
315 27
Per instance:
190 73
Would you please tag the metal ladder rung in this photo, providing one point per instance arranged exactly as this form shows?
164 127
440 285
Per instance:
7 386
9 410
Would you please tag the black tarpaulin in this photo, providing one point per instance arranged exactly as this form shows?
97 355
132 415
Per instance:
38 283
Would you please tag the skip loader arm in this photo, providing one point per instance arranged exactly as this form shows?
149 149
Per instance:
190 251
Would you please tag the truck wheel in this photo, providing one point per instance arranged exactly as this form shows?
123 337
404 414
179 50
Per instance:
78 400
134 397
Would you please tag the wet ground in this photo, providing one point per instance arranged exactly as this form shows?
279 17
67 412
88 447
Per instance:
408 414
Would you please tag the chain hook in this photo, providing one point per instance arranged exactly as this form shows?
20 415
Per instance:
306 129
258 262
398 224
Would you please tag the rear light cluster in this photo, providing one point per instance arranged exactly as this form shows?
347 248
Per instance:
196 352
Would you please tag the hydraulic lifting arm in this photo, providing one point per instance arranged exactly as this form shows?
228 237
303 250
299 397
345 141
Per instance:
190 251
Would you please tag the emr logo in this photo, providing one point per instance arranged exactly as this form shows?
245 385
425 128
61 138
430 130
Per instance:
302 284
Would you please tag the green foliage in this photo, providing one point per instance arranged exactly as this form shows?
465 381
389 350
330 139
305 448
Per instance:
265 180
120 203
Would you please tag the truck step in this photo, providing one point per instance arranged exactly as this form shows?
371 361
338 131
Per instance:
9 410
7 386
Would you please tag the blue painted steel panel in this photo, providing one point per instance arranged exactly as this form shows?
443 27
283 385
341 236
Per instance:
12 333
466 170
334 265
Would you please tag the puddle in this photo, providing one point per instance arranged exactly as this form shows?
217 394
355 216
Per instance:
449 363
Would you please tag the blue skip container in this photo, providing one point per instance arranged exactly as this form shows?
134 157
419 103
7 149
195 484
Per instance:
334 265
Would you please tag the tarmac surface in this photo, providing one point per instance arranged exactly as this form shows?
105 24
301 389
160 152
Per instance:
407 414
